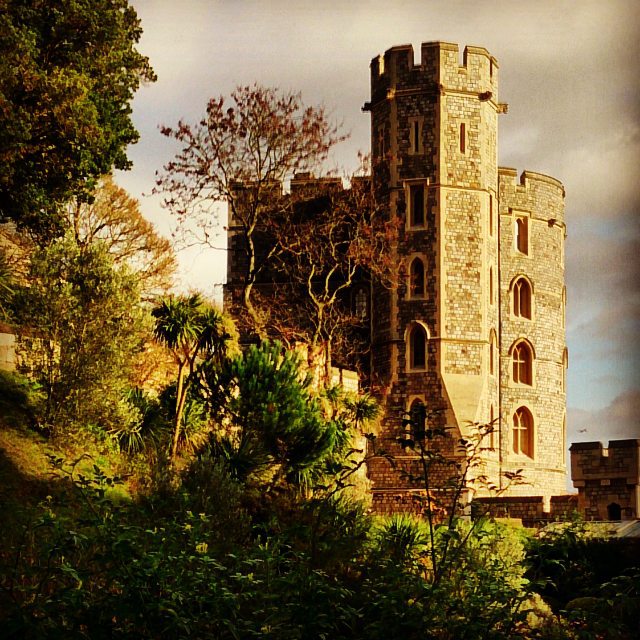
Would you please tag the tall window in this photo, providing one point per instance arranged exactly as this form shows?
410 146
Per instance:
522 234
418 413
522 298
523 432
492 427
381 145
360 304
417 347
492 353
416 205
491 293
522 358
565 364
415 135
463 137
416 274
491 214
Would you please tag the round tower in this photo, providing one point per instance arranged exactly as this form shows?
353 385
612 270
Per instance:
533 353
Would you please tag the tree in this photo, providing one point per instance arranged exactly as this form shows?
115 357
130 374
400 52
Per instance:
330 246
272 427
114 220
80 328
240 154
68 71
191 329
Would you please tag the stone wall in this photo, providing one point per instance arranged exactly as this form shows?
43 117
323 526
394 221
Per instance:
539 200
607 476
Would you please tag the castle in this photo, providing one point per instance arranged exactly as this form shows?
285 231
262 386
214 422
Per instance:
474 329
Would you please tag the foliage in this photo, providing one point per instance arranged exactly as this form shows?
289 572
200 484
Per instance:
6 285
21 399
113 219
68 71
274 428
191 329
80 328
239 153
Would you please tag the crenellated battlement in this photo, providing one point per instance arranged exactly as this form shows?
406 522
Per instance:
594 461
527 178
533 192
439 67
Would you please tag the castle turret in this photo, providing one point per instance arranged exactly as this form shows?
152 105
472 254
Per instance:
532 338
437 337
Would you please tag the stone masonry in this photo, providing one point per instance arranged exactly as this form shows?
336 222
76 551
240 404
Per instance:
483 236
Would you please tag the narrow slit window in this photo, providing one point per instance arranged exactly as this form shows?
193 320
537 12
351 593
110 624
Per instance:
522 235
490 214
491 291
416 198
463 135
417 278
416 136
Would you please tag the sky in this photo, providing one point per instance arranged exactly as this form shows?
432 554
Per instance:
569 72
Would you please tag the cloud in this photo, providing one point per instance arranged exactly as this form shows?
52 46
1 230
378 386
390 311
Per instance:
617 421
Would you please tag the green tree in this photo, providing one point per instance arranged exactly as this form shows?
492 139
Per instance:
114 219
274 429
80 327
68 72
191 329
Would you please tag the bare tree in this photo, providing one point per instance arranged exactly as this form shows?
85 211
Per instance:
240 154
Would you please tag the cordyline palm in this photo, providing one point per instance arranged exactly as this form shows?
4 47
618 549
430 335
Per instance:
190 328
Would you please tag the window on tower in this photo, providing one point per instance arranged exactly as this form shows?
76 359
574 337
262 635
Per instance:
523 432
522 234
416 205
417 347
463 137
416 279
492 353
522 359
522 298
415 136
360 303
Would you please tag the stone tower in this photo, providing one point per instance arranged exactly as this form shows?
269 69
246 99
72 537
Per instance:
474 328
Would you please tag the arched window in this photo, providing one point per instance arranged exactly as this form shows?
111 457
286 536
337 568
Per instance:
522 298
522 358
417 347
614 511
492 353
360 305
416 285
418 413
523 432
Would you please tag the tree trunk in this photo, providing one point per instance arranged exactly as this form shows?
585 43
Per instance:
181 396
